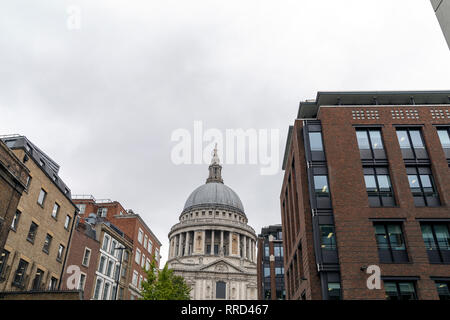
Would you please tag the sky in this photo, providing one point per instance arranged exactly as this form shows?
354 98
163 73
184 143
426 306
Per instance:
101 86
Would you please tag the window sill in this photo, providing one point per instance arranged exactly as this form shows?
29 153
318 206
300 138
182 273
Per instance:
59 260
40 205
30 241
55 218
45 251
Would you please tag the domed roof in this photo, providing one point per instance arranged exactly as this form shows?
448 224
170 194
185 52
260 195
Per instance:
214 194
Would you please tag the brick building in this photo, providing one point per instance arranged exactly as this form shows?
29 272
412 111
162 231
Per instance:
270 260
145 243
367 183
13 180
36 247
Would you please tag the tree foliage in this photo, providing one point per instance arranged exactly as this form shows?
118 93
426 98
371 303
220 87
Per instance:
164 285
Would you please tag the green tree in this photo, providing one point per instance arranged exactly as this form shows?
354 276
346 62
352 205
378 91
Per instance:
164 285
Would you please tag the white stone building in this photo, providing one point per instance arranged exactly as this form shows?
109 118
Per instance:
212 246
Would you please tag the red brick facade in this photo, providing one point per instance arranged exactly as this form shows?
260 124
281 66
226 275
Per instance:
353 217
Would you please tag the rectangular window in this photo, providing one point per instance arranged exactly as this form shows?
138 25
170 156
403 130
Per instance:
102 212
53 283
145 241
3 262
422 186
221 288
86 257
370 143
411 144
140 235
328 237
41 198
134 280
47 243
101 264
112 250
82 208
390 242
444 137
109 269
437 241
266 272
442 288
98 285
315 141
321 186
37 281
82 281
400 290
150 245
15 222
143 261
20 274
67 222
334 291
60 254
147 264
32 232
378 186
55 210
137 257
106 239
266 251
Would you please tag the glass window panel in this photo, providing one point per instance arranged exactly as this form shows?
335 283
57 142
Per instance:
403 140
443 290
380 234
334 290
391 290
384 183
407 290
416 138
444 137
427 185
427 234
321 185
266 272
375 138
442 236
363 140
414 183
328 239
396 237
371 185
315 141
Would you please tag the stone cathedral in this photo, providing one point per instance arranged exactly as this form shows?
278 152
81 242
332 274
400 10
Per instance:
212 246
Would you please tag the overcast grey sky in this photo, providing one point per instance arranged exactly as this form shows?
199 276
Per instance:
103 100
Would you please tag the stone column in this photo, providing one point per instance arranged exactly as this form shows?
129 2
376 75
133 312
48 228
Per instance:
239 244
245 247
230 243
180 236
212 242
186 246
221 242
204 241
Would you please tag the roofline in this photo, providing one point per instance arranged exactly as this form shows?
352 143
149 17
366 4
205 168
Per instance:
286 148
134 215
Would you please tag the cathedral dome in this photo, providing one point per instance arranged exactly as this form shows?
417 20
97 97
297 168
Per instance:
214 195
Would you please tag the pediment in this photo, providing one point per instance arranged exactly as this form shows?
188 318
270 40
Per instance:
221 265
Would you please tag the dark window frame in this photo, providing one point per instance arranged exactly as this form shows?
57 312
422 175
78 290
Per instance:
369 139
436 244
378 193
392 256
423 194
397 284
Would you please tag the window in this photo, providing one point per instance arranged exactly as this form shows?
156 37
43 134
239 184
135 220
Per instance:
370 143
116 272
411 144
140 281
67 222
145 241
143 261
101 212
60 252
137 257
126 255
279 271
442 288
82 208
52 285
444 137
113 248
55 210
32 232
266 251
221 290
140 235
437 241
334 291
41 198
98 285
147 264
109 269
86 257
277 250
315 141
82 281
15 222
3 262
321 186
19 276
328 238
106 239
47 242
422 186
134 280
378 187
400 290
266 272
157 255
391 243
150 245
120 293
37 281
101 264
28 183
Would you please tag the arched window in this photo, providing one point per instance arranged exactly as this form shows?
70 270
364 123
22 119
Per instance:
221 288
